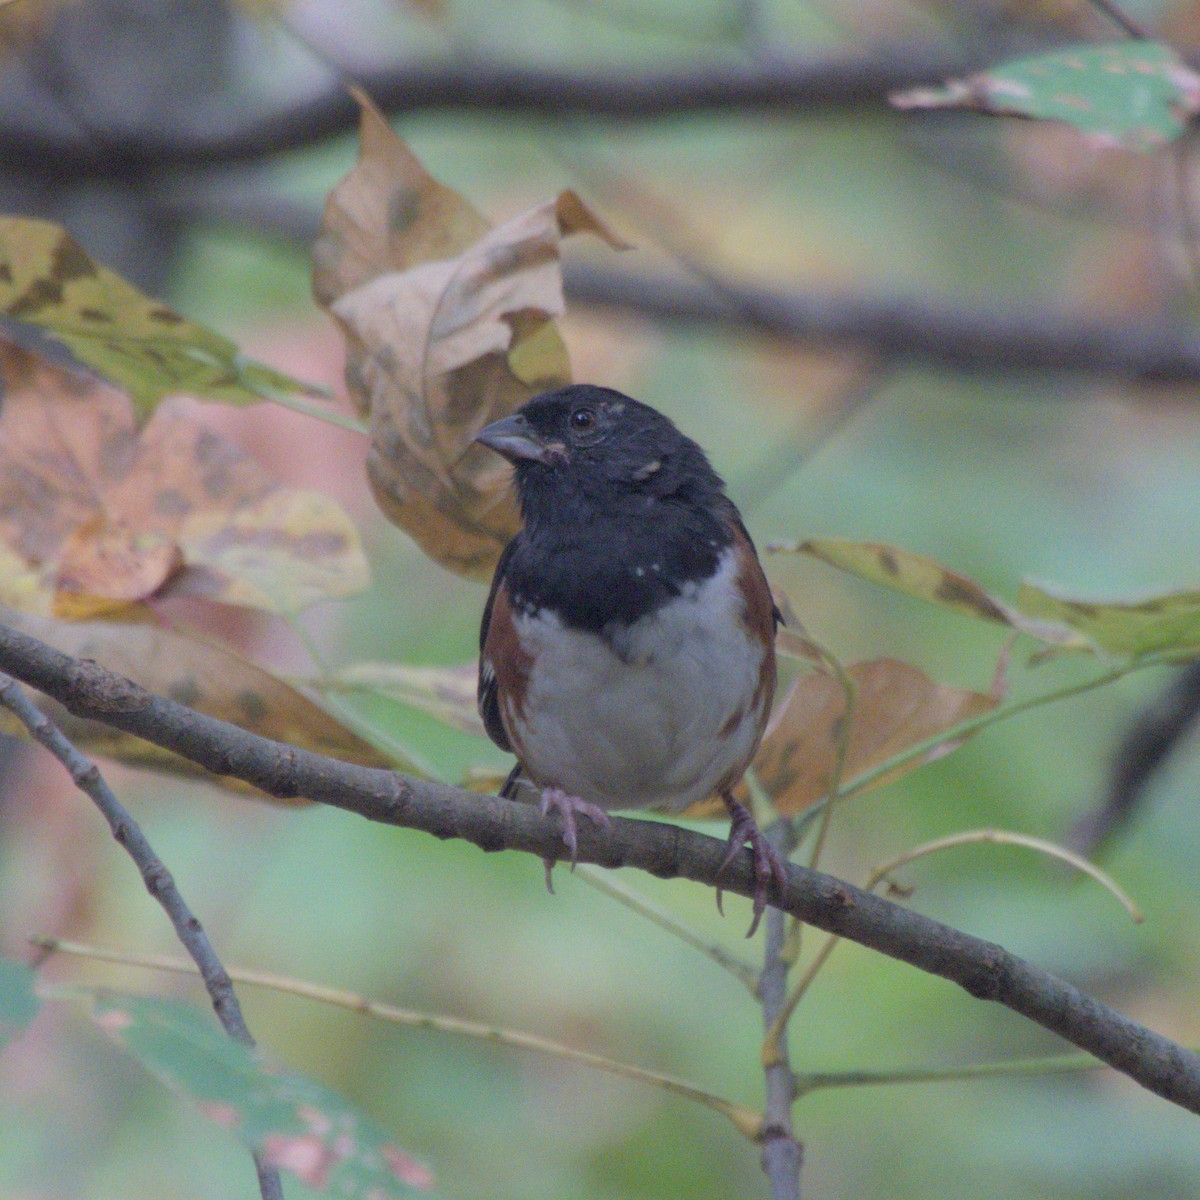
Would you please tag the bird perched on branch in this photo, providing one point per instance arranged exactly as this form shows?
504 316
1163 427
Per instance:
627 653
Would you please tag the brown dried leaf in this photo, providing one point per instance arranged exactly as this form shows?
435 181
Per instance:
448 327
896 706
104 566
95 516
205 677
388 214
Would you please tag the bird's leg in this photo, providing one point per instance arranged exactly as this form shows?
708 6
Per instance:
569 807
768 866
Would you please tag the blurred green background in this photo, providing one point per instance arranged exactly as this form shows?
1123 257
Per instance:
1072 480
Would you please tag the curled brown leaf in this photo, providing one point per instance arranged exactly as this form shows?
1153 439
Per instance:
448 326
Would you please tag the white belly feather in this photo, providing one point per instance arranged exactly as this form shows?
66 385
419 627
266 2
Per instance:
640 722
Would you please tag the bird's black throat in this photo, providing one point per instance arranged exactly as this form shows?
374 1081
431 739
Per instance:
597 568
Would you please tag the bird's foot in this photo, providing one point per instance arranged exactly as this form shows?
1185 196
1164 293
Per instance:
768 866
569 807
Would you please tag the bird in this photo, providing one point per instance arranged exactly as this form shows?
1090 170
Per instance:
627 647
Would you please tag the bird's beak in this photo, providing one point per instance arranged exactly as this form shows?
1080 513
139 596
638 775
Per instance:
514 439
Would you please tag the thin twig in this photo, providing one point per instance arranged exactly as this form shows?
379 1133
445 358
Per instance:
603 881
158 880
1056 1064
843 731
782 1153
745 1119
1006 837
984 969
794 448
965 838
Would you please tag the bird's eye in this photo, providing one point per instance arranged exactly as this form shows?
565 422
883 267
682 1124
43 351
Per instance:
583 419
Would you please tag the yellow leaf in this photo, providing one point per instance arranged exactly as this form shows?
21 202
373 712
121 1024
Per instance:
926 579
47 281
1165 621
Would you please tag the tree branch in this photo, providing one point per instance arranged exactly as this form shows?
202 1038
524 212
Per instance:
158 880
983 969
219 134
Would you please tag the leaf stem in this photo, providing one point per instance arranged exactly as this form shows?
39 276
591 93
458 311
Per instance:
322 412
968 837
841 752
1005 837
1046 1065
746 1120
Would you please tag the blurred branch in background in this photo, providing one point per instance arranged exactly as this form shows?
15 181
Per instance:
979 334
97 75
218 131
1140 755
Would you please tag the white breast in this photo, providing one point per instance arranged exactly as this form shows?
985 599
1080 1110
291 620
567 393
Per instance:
641 721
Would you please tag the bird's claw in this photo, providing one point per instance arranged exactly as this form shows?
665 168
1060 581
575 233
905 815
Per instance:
768 866
569 807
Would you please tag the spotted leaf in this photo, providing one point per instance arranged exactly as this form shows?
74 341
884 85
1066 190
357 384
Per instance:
296 1124
96 515
1166 622
926 579
47 282
1137 93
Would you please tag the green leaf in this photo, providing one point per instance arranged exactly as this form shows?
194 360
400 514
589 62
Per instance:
18 1003
1169 621
926 579
296 1124
149 350
1136 94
